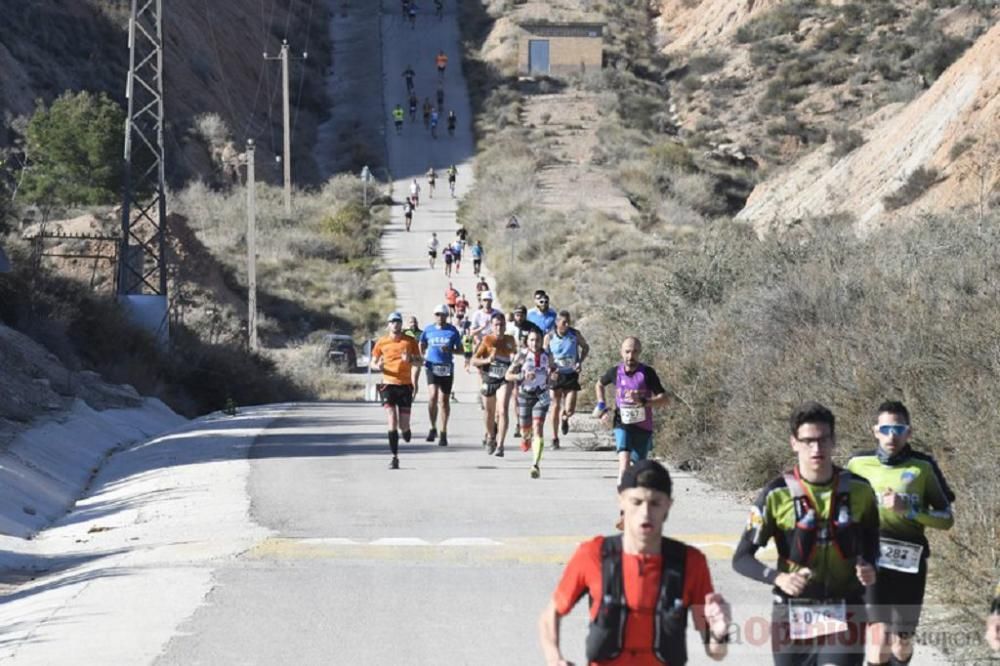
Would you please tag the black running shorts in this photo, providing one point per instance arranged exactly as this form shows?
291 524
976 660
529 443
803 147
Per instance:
490 388
567 382
397 395
444 384
896 599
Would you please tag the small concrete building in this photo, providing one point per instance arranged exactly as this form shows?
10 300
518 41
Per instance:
559 49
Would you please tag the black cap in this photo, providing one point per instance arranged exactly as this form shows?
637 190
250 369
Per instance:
646 474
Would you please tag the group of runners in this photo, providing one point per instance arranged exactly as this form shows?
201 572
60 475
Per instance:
535 363
852 565
431 112
452 253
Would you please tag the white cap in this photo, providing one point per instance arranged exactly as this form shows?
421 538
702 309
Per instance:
394 316
487 296
442 309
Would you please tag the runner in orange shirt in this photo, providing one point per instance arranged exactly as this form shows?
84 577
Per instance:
493 357
441 61
628 570
397 357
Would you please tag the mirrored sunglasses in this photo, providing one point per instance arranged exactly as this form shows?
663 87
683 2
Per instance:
896 429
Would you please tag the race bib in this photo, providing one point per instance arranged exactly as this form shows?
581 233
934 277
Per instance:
808 620
498 369
441 370
565 362
899 555
632 414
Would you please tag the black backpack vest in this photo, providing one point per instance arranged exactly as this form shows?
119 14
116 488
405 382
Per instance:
606 637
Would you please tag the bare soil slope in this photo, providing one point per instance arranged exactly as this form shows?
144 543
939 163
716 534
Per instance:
951 131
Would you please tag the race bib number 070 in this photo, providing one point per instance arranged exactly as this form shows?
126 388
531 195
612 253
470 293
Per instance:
811 620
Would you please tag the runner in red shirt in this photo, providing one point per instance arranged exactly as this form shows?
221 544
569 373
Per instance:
451 297
644 497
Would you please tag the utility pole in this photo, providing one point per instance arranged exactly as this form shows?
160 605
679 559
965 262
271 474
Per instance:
251 249
286 120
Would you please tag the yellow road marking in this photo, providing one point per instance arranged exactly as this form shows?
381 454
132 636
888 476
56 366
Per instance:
525 550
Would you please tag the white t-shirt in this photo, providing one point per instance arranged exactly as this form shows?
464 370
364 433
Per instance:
482 319
414 188
432 244
536 375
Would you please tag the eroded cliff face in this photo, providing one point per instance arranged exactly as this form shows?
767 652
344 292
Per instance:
952 131
213 54
697 24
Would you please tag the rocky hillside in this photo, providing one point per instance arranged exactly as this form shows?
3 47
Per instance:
934 155
780 80
213 65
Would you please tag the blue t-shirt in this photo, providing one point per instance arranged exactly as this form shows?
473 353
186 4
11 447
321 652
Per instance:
543 320
434 337
477 251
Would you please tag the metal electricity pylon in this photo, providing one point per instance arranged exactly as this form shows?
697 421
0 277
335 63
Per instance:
142 266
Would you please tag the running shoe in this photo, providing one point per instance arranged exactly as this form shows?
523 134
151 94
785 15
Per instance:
565 426
499 453
525 445
535 472
432 435
394 463
443 439
555 443
407 435
491 448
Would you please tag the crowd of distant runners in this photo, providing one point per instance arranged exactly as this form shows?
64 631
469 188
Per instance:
852 555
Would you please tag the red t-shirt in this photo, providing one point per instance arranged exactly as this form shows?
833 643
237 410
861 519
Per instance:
642 589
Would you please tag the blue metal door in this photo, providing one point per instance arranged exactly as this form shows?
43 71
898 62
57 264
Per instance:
538 56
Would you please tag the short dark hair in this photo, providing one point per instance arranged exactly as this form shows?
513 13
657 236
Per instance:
564 314
540 292
498 315
896 408
810 412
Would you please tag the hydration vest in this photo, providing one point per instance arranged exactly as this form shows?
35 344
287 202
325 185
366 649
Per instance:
811 531
606 637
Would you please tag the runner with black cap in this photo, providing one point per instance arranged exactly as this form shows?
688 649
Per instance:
642 586
438 343
395 356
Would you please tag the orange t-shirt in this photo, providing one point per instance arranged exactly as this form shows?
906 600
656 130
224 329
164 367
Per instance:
451 296
396 370
441 60
506 347
642 589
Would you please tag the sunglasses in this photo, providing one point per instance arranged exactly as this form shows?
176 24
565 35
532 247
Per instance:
896 429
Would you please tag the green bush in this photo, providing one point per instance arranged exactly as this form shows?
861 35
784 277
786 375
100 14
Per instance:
75 151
